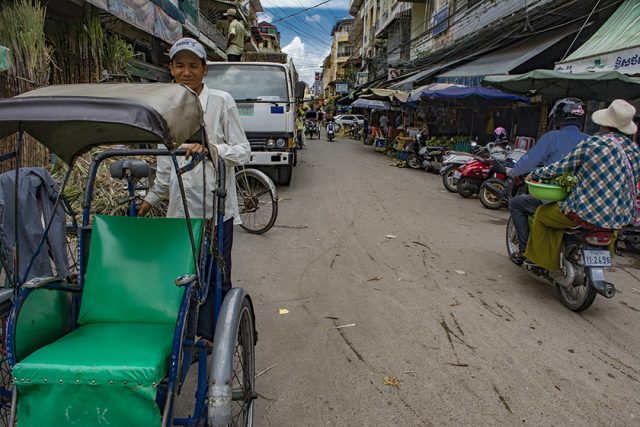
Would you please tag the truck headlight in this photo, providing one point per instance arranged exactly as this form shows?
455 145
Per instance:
281 143
271 142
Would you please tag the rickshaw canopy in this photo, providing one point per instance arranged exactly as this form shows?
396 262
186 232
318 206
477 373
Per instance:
71 119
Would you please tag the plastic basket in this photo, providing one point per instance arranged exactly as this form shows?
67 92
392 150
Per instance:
550 192
462 146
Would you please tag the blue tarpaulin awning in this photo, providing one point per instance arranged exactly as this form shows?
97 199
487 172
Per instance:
459 92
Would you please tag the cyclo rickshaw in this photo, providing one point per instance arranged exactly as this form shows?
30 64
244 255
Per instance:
115 347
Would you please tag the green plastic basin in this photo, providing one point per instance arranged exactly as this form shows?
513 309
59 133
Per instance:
551 192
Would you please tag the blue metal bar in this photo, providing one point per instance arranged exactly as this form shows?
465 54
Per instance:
176 348
7 156
12 323
221 196
16 240
131 188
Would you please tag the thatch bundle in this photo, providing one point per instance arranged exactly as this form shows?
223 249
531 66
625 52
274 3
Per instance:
84 53
22 31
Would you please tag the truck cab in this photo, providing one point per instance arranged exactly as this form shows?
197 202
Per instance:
265 94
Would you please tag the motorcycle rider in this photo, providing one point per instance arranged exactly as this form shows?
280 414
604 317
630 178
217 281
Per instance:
500 136
331 127
567 114
607 167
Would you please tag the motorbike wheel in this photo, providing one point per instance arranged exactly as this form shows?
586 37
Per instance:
631 240
447 180
632 247
412 161
462 191
512 242
490 200
577 298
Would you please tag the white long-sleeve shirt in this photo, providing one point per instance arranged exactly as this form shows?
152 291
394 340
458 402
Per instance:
224 130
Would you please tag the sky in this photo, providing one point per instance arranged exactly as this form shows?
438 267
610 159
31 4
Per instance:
306 37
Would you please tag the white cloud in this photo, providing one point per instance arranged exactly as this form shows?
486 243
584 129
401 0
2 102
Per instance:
333 4
313 18
307 63
264 16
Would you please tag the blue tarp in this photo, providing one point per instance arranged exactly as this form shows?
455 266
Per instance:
457 92
371 104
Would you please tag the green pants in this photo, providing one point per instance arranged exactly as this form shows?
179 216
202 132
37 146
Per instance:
545 238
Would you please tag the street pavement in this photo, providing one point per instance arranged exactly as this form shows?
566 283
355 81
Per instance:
403 309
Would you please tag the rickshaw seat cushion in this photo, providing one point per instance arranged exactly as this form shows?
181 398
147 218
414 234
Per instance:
98 374
132 267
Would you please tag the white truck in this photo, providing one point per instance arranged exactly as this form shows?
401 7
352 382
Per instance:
266 95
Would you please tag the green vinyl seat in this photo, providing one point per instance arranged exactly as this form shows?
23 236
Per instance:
106 371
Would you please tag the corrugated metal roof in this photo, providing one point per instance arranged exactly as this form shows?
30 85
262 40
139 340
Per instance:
505 60
621 31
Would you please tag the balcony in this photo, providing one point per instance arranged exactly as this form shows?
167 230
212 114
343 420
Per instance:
197 24
354 6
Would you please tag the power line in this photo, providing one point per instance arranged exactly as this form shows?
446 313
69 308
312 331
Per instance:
304 10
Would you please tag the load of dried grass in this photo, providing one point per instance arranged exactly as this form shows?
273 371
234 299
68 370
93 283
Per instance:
110 195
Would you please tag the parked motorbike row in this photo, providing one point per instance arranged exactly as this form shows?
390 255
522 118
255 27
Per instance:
484 172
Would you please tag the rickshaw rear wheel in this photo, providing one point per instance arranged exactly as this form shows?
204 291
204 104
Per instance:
244 369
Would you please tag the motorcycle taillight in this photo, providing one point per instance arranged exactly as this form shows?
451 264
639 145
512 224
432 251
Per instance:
599 238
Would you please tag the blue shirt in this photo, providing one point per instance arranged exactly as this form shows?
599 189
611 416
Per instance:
550 148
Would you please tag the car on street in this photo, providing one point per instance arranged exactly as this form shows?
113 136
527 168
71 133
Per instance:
349 119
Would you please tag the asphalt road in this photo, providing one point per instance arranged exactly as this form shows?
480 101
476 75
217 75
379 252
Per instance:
462 336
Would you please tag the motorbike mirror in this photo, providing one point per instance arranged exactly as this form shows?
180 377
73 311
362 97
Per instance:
473 143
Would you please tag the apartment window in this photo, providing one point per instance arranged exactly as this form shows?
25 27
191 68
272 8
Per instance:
440 18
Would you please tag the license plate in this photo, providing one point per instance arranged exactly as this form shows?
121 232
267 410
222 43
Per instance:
457 175
246 110
597 258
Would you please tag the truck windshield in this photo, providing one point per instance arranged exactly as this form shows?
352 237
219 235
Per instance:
249 83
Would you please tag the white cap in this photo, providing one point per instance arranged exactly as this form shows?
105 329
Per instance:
187 44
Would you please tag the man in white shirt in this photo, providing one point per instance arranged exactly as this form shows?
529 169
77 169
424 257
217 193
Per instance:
226 139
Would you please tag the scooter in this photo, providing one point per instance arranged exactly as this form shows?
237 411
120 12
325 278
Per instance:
584 257
450 163
495 192
425 157
331 134
469 177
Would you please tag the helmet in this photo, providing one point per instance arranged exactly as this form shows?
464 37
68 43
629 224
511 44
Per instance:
567 111
500 133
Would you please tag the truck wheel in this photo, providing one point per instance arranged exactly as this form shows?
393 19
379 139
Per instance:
284 174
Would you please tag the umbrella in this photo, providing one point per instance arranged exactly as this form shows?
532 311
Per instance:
371 104
552 85
390 95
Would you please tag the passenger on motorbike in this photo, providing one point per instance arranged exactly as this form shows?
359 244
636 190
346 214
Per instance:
607 166
567 114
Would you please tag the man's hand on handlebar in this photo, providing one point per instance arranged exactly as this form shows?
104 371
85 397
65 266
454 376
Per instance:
193 149
144 208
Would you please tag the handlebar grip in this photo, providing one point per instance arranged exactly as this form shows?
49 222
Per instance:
195 160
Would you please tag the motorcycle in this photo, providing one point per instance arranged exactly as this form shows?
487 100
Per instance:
311 129
469 177
495 192
630 235
425 157
331 131
584 257
355 131
450 163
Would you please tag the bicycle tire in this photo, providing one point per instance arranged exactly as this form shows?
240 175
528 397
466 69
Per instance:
254 193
